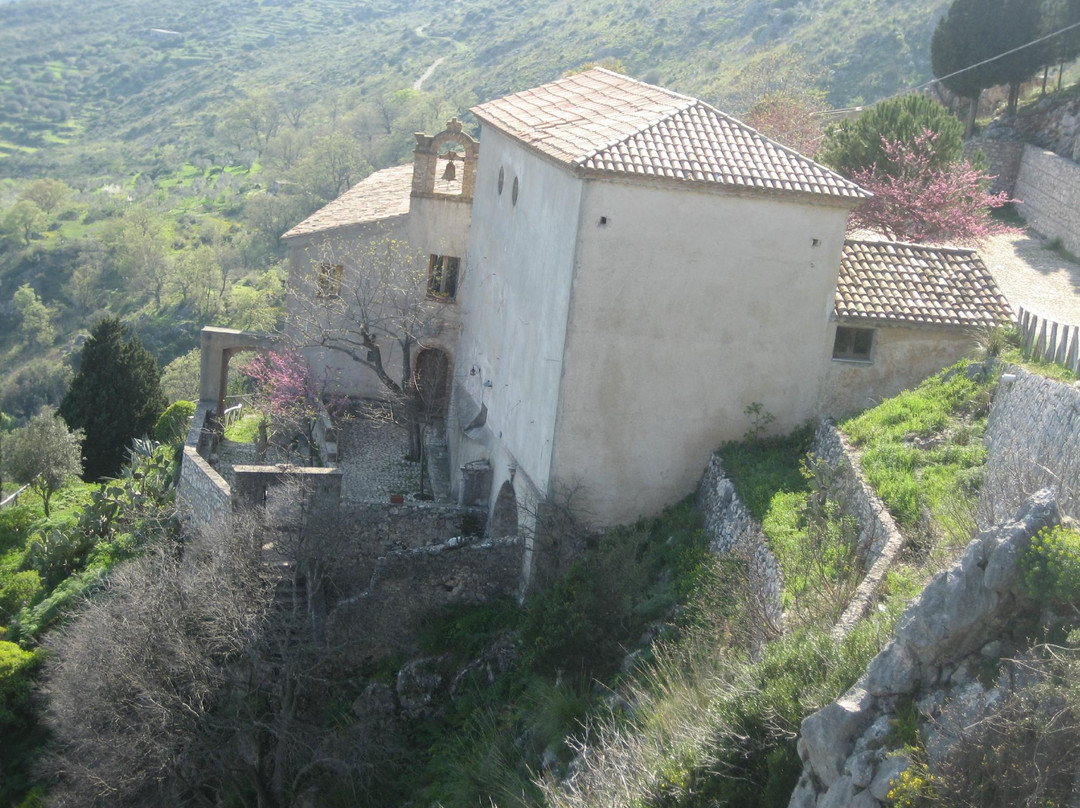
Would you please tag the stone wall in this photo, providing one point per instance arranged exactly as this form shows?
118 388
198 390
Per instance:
880 540
1049 188
202 495
732 529
1033 441
964 618
1004 157
407 585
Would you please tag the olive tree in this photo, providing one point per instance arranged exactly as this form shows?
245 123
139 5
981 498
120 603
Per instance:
44 454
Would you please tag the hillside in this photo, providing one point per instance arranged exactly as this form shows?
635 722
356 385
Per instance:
70 95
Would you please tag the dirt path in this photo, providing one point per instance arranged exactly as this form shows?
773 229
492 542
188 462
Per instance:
419 83
1032 275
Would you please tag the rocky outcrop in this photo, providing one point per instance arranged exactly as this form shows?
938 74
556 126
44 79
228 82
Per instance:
965 617
1051 124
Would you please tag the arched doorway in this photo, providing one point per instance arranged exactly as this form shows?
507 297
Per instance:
432 373
504 516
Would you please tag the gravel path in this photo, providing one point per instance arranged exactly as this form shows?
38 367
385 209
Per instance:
1032 275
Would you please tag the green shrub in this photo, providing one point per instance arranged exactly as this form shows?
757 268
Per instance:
1051 565
17 670
16 592
15 524
172 426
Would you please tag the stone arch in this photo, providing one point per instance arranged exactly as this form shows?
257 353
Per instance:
433 153
219 345
432 373
504 516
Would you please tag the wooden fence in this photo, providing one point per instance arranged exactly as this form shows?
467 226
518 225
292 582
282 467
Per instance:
1050 341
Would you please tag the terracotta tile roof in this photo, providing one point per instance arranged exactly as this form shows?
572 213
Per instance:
912 283
381 195
600 121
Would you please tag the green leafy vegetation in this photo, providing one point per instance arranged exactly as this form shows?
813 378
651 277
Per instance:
1051 565
922 452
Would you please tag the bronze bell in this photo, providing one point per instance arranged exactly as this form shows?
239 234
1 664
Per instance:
450 173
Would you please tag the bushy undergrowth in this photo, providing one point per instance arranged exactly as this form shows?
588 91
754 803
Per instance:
492 739
48 566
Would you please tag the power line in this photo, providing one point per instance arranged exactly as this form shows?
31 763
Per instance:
1051 35
932 82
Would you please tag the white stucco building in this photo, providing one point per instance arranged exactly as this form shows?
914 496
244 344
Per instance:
633 270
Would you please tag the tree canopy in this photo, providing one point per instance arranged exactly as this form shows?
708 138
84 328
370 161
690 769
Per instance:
921 202
44 454
973 31
115 397
859 144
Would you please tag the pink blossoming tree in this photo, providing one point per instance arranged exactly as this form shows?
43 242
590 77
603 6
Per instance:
915 201
287 393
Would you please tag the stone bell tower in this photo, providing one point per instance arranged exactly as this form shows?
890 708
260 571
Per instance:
444 165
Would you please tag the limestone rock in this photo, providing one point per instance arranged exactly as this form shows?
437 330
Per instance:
892 672
839 795
829 734
375 706
889 770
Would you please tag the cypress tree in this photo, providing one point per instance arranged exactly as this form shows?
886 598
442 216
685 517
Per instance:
115 397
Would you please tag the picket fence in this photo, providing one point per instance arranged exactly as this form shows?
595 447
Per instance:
1050 341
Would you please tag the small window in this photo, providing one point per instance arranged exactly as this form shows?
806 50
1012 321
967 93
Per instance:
853 343
328 280
502 176
514 192
443 276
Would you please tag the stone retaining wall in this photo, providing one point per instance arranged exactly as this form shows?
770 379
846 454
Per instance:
880 540
407 585
1033 441
1049 187
202 495
1004 157
732 529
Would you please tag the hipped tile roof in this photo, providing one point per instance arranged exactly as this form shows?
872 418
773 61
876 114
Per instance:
886 281
600 121
381 195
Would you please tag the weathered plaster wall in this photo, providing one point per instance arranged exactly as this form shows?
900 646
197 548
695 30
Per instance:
687 307
901 357
1049 187
515 302
409 584
432 226
1033 441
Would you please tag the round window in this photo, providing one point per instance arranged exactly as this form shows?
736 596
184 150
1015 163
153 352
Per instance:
502 176
514 192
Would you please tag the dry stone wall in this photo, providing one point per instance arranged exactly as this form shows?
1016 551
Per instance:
732 529
880 540
1033 441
